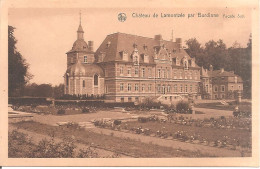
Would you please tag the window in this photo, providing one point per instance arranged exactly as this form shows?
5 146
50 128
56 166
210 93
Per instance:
136 70
190 75
159 73
83 83
190 88
121 70
186 88
150 87
146 59
195 76
181 88
222 88
222 96
159 89
185 75
196 88
215 88
129 99
207 88
121 86
175 74
122 99
129 87
129 71
135 59
136 99
106 89
71 60
163 73
125 56
163 89
136 87
143 72
180 74
175 88
95 80
143 87
85 59
216 96
149 72
168 73
185 64
169 89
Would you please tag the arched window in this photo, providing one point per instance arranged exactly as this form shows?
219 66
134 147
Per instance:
95 80
83 83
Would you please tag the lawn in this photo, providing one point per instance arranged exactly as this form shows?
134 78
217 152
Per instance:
125 146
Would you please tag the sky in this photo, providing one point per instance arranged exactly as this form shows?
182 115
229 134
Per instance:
45 34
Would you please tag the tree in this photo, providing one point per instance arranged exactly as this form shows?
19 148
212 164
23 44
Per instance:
18 74
195 50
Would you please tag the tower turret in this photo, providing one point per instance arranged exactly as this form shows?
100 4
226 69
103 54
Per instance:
80 31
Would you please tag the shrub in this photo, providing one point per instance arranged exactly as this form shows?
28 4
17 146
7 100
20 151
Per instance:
61 111
143 119
117 122
183 107
85 110
87 153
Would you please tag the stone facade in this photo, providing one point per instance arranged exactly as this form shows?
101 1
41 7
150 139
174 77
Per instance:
128 68
220 84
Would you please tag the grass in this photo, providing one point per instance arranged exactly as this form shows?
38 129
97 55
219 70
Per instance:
115 144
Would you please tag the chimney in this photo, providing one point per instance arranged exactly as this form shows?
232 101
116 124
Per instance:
210 68
90 45
158 37
179 42
222 70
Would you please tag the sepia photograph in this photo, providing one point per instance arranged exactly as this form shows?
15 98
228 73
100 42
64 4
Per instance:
133 82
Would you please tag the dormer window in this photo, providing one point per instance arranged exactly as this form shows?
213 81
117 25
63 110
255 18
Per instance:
135 45
145 47
177 61
124 55
136 60
146 59
108 44
85 59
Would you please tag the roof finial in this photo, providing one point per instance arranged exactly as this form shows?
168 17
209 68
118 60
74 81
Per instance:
80 17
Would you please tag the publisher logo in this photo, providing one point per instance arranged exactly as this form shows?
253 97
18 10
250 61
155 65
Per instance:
122 17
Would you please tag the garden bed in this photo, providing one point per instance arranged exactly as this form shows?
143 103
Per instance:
118 145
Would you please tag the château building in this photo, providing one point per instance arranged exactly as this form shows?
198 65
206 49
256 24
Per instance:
220 84
128 68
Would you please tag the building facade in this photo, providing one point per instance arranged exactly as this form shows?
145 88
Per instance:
83 75
128 68
220 84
